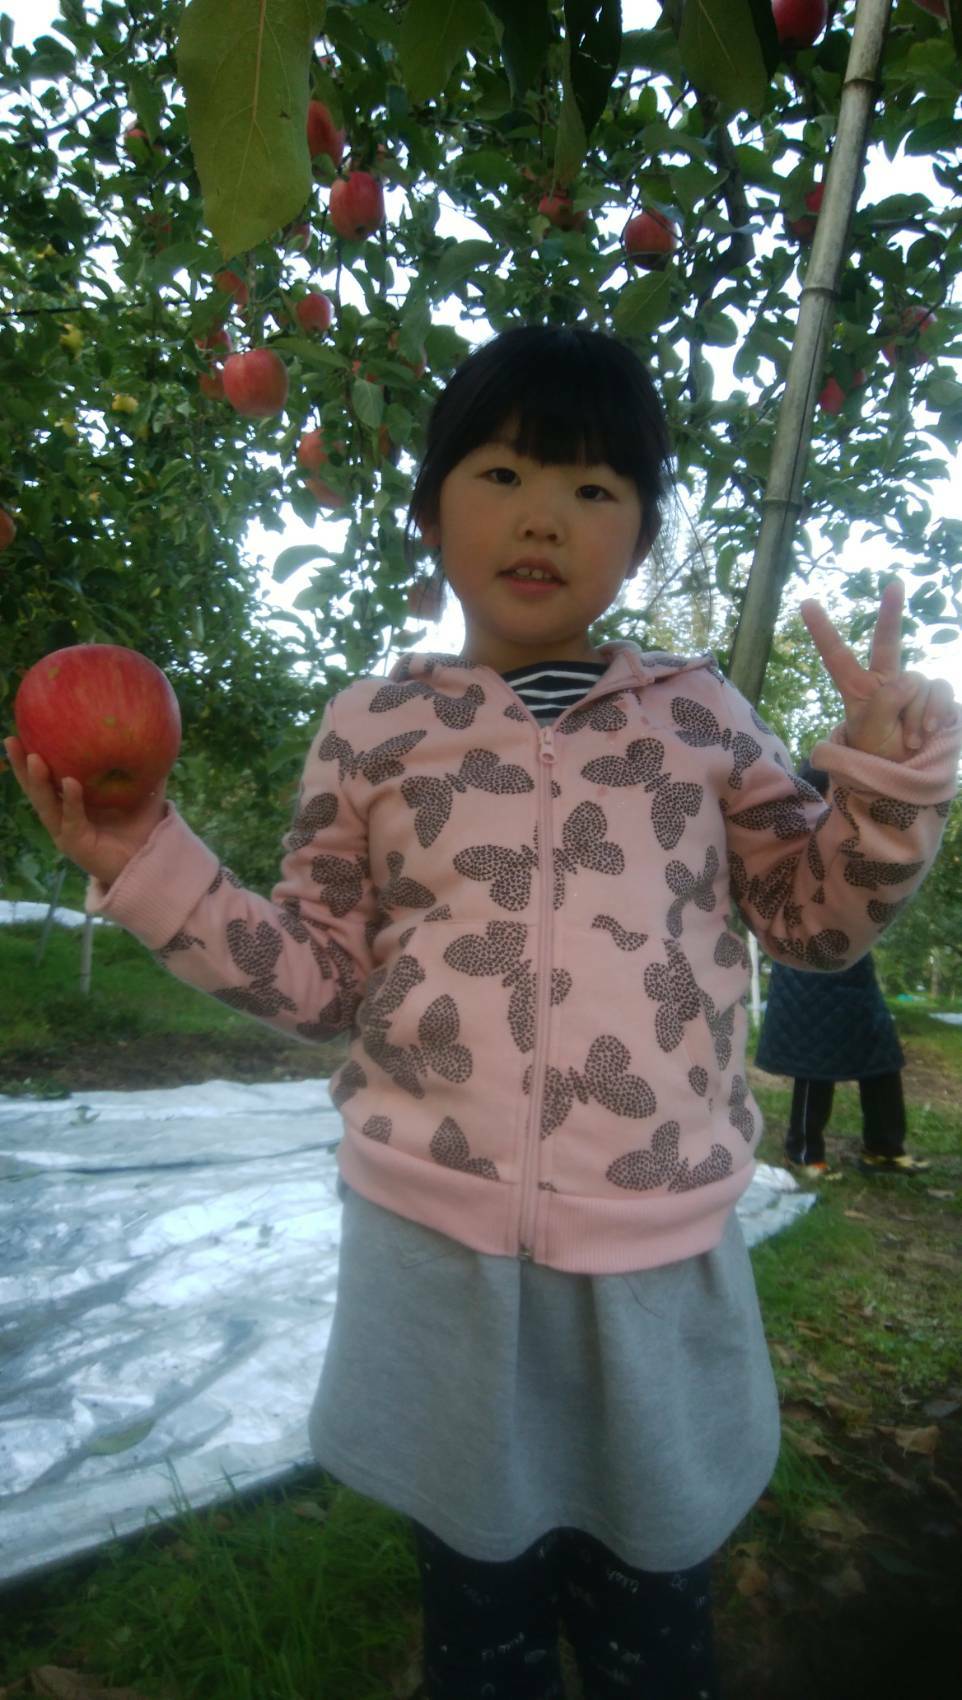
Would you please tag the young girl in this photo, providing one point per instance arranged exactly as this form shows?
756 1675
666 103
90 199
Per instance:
509 877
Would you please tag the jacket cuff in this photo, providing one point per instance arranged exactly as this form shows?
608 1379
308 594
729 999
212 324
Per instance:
930 776
161 885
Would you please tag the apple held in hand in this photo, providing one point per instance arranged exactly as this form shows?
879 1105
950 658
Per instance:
102 714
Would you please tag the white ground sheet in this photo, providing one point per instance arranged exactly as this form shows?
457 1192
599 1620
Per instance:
168 1268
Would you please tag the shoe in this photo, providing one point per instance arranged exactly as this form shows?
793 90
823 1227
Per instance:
814 1171
904 1164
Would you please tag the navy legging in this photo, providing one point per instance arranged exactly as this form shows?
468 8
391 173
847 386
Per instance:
491 1630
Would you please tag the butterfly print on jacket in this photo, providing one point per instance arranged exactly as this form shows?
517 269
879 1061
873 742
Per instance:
311 817
690 887
605 1078
455 712
583 845
624 939
660 1166
256 952
448 1146
380 763
432 798
700 729
438 1030
603 715
641 765
500 953
672 985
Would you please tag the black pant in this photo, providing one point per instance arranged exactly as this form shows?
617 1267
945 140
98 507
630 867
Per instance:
491 1630
883 1117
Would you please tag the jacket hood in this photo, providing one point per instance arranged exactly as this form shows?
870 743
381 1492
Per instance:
628 665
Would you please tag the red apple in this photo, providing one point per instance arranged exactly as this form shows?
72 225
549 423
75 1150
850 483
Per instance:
104 715
8 530
231 284
311 455
314 312
936 7
357 205
211 384
298 236
322 134
832 397
920 320
256 383
649 238
799 23
559 210
804 228
214 339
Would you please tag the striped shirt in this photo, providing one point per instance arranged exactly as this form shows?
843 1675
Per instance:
547 688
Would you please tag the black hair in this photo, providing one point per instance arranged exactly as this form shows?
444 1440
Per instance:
576 394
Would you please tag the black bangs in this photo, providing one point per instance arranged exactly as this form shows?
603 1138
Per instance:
560 395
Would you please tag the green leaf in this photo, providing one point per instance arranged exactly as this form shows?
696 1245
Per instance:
644 305
246 77
570 140
526 35
593 31
459 261
289 560
722 54
435 35
367 401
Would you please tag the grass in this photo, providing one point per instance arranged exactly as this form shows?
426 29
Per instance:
309 1590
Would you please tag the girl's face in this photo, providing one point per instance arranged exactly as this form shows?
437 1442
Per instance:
498 507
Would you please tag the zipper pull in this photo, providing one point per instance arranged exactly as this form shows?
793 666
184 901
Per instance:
546 750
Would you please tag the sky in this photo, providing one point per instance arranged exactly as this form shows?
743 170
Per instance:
33 17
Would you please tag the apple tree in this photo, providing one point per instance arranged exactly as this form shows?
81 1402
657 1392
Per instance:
230 283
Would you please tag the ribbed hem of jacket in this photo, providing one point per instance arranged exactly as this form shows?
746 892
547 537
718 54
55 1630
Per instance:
161 885
584 1236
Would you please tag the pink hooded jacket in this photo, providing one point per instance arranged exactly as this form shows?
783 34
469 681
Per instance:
526 931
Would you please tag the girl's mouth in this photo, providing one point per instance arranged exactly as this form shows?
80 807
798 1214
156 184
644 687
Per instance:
533 587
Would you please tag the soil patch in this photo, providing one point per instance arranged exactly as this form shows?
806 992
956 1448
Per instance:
162 1059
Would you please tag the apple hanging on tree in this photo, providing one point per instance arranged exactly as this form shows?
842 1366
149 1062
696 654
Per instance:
356 205
799 23
649 238
804 228
323 136
8 530
914 324
558 208
314 312
255 383
102 714
312 455
832 397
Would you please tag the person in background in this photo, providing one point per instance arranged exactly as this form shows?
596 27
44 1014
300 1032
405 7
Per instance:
821 1028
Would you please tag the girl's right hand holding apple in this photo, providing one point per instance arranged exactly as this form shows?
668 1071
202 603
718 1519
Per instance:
102 842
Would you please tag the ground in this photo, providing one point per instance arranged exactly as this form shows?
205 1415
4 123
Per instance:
870 1601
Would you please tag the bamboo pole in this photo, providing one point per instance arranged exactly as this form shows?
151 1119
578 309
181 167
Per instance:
782 502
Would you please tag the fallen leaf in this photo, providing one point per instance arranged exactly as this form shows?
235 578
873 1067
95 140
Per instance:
834 1520
844 1584
923 1440
939 1192
856 1215
310 1511
809 1328
811 1446
750 1578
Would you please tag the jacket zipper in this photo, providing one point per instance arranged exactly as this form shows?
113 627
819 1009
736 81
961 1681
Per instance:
529 1194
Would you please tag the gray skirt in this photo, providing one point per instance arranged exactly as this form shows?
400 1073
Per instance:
493 1400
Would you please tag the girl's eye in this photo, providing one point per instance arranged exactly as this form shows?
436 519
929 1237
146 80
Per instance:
493 472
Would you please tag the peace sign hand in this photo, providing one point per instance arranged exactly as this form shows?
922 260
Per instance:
887 712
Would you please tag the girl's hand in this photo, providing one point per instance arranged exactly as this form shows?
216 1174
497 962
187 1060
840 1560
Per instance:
887 712
101 843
